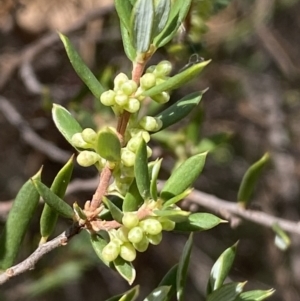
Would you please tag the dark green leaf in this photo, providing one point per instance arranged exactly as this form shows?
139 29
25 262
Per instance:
183 176
220 269
158 294
116 213
183 268
170 280
130 295
65 122
59 186
17 222
108 145
132 199
81 68
180 109
250 179
154 175
179 10
227 292
53 200
98 244
255 295
198 222
177 80
125 269
141 24
141 171
161 15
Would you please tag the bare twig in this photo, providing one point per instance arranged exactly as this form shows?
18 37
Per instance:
30 262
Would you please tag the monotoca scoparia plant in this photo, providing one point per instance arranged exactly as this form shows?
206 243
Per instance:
127 211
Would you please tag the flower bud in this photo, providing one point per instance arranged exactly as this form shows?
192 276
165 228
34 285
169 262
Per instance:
129 87
134 143
77 141
111 251
142 246
127 252
119 80
167 224
155 239
107 98
147 81
151 226
130 220
122 234
150 124
127 157
135 235
133 105
121 99
161 98
150 69
89 135
163 68
138 132
87 158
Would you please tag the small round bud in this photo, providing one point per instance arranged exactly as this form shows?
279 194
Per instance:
89 135
130 220
151 226
134 143
150 69
138 94
163 68
167 224
150 124
133 105
147 81
111 251
122 234
121 99
138 132
127 157
107 98
155 239
135 235
127 252
77 141
129 87
87 158
119 80
161 98
142 246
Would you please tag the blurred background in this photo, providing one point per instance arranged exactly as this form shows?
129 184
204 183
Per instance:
252 107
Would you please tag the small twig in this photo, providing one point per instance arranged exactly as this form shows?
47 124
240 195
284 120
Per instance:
30 262
29 136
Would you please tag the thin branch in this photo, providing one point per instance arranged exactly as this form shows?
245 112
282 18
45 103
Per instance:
230 210
30 262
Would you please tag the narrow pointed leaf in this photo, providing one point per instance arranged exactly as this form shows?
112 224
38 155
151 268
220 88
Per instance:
250 179
177 198
170 280
161 15
154 176
255 295
141 24
227 292
183 268
124 9
177 216
183 177
130 295
179 10
132 199
177 80
17 222
49 216
116 213
141 171
108 145
98 244
221 268
158 294
127 43
198 222
65 122
282 240
179 109
82 69
55 202
125 269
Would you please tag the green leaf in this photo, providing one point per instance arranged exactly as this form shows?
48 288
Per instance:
177 80
17 222
177 216
124 9
65 122
198 222
250 179
127 44
154 176
180 109
131 295
221 268
81 68
132 199
227 292
282 240
98 244
183 268
141 24
177 198
179 10
116 213
255 295
170 280
161 15
141 171
125 269
183 177
49 216
108 145
55 202
158 294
